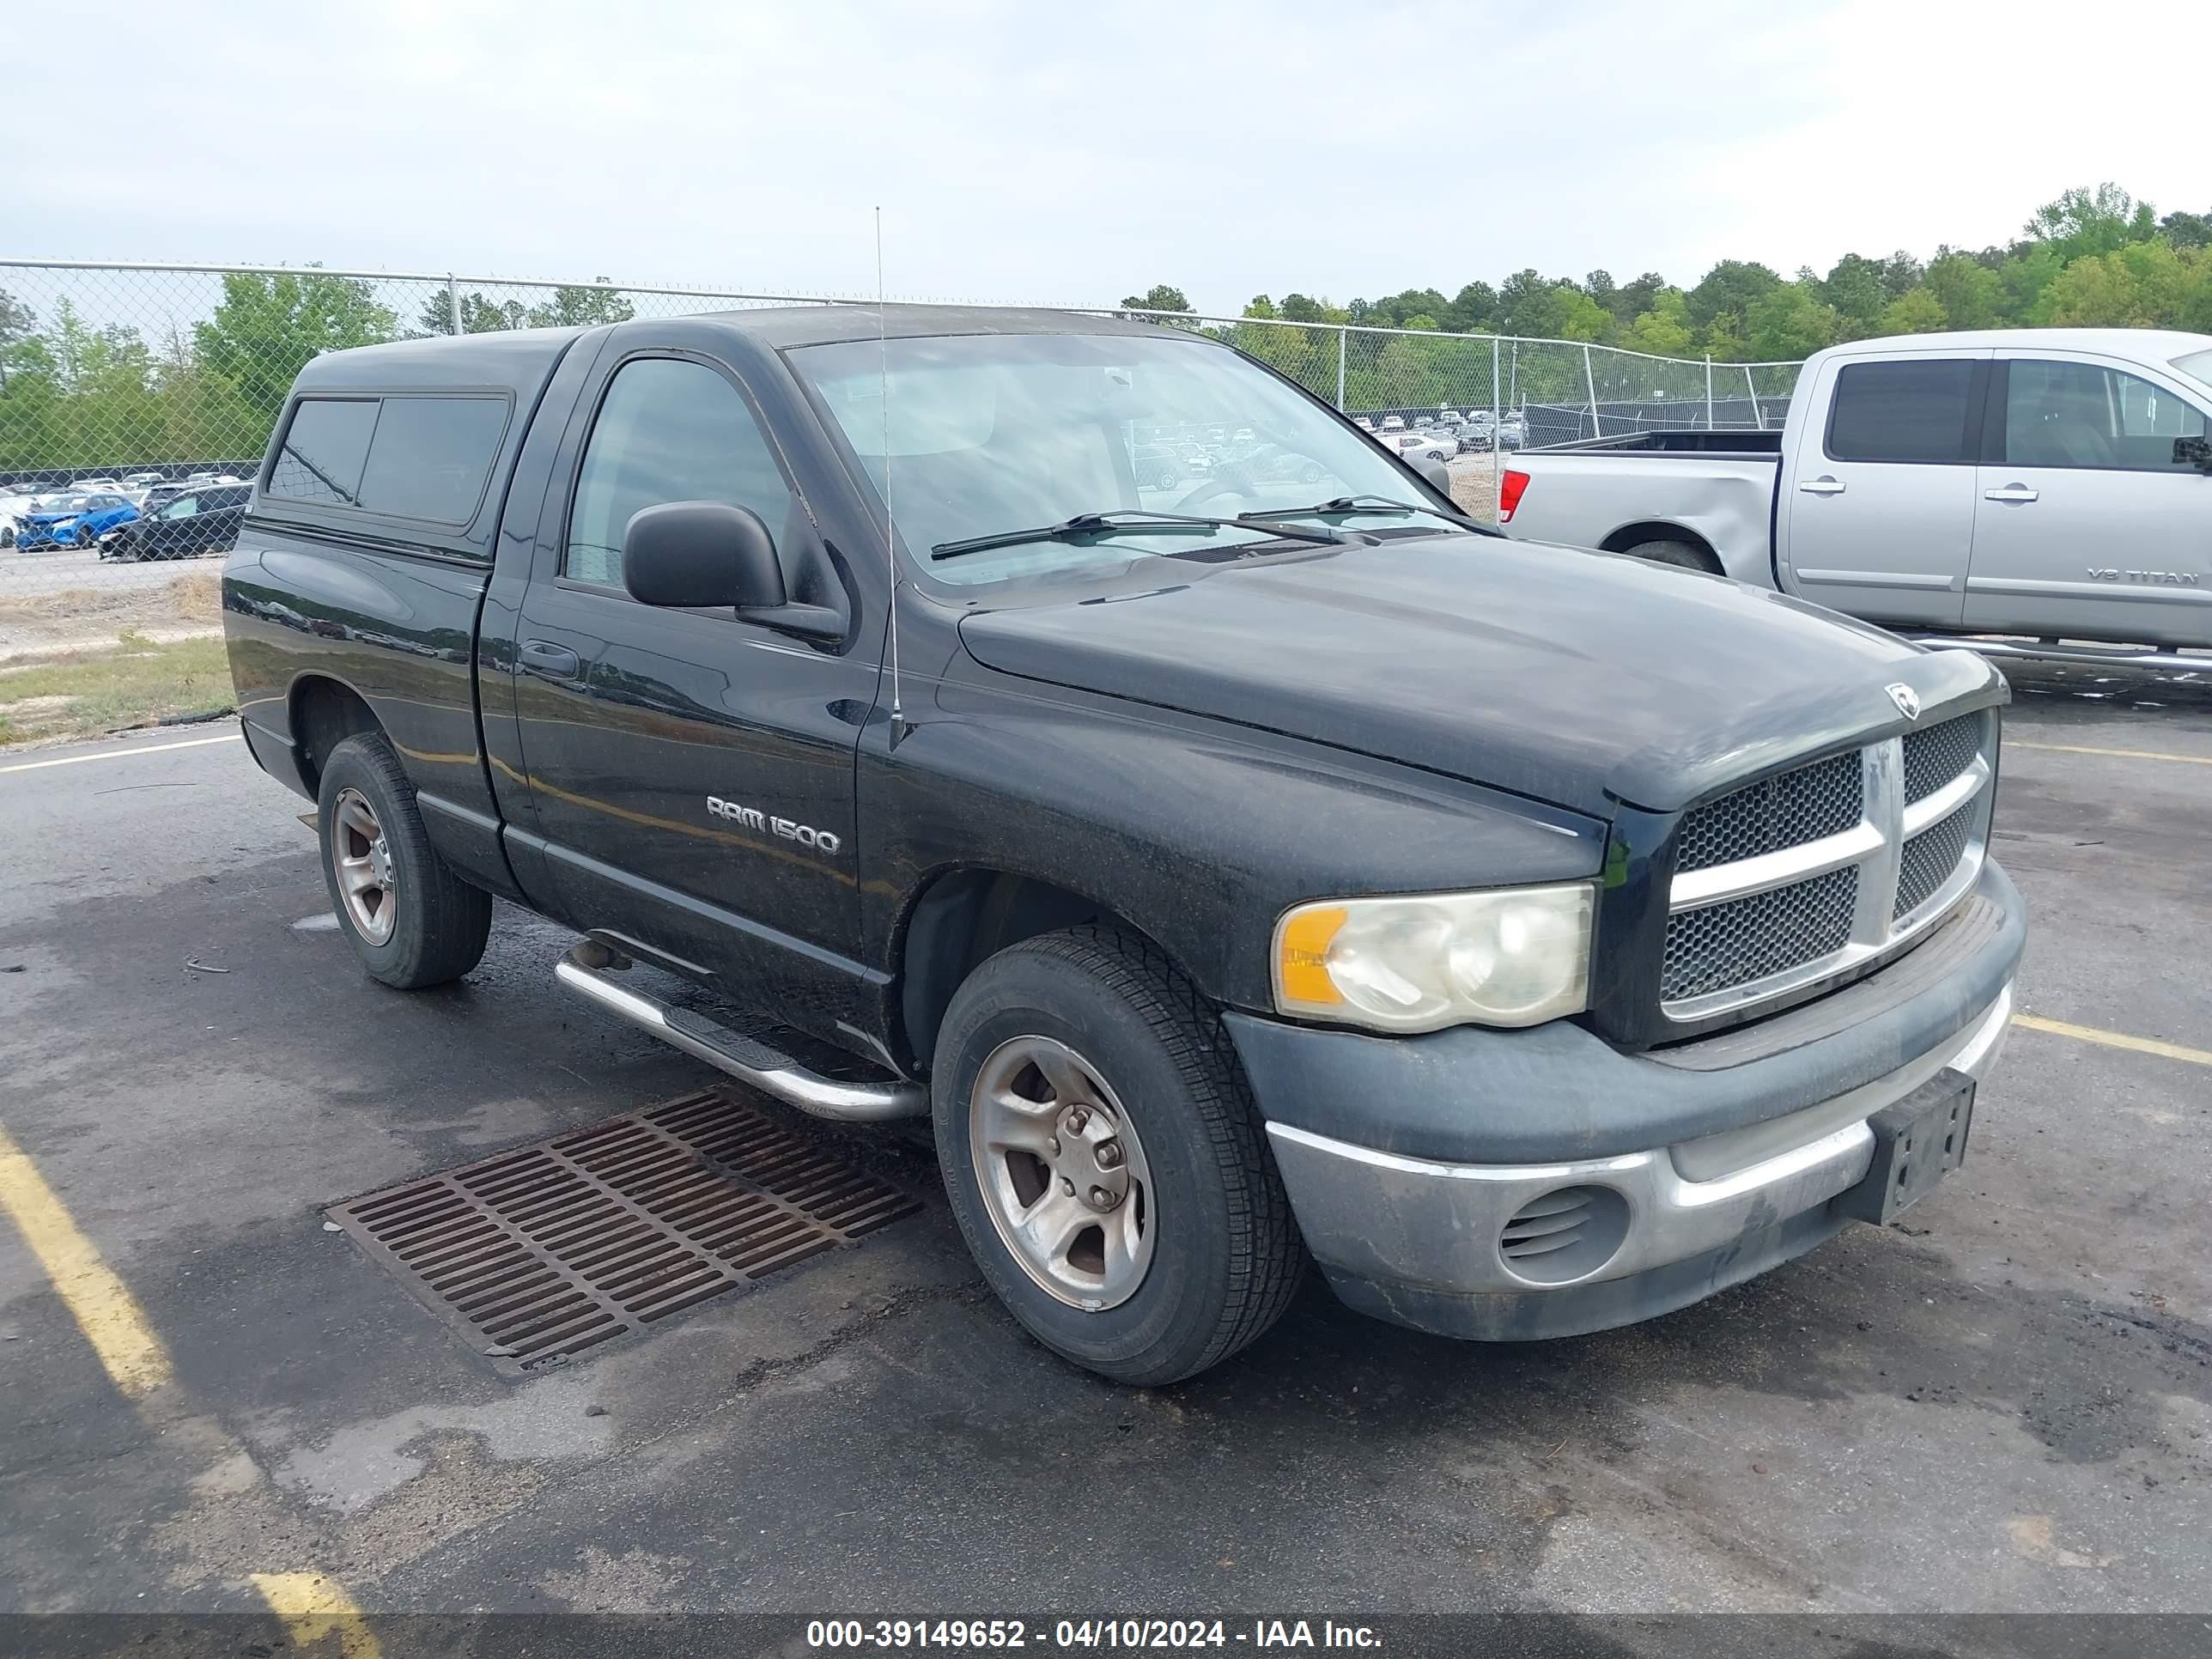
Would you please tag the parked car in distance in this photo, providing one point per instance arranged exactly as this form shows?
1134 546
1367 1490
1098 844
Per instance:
1362 423
1423 445
1158 466
74 520
2050 485
1512 431
1312 871
1394 423
205 521
101 486
14 510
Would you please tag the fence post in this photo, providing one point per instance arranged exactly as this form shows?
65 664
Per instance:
1708 391
1342 334
1497 449
1590 379
1751 386
453 299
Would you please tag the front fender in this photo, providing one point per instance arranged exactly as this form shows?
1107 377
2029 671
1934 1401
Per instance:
1197 833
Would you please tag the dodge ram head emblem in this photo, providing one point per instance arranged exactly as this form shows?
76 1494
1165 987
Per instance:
1906 699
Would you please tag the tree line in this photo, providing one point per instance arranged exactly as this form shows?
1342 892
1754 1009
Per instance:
2094 258
78 395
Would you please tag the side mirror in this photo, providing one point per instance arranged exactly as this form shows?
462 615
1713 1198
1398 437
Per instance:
1438 474
2193 452
701 554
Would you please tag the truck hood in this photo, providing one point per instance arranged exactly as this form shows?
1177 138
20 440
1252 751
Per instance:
1583 679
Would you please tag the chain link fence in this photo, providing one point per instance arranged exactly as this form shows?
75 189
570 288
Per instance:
134 392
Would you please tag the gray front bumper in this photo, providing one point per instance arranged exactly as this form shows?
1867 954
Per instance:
1419 1242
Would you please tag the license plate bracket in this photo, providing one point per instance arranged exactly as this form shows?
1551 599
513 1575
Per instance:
1917 1142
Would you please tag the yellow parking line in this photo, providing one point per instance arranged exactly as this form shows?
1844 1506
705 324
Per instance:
2116 754
104 1308
312 1605
2115 1039
122 754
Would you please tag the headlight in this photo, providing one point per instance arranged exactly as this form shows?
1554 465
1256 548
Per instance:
1514 956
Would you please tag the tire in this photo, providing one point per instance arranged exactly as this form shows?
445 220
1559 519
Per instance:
1686 555
429 927
1222 1257
84 536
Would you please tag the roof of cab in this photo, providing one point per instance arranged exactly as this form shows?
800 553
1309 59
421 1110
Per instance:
522 357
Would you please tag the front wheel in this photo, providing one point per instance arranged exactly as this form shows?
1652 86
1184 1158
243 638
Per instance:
84 536
1105 1161
413 922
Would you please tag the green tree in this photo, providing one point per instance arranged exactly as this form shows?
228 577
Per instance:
2143 285
1664 329
1788 321
266 328
2084 223
1969 293
575 306
1733 285
1856 288
2186 230
1158 297
1916 311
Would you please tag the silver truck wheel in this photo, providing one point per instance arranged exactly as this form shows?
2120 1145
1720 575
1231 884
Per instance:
361 859
1062 1173
1686 555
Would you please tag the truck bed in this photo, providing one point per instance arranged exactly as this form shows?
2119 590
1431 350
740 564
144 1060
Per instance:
1735 445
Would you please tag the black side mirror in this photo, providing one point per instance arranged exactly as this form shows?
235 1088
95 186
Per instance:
701 554
2193 452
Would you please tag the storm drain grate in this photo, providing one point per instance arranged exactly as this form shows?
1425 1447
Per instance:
541 1252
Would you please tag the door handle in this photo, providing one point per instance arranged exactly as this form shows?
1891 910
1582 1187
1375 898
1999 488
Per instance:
2009 493
554 662
1823 486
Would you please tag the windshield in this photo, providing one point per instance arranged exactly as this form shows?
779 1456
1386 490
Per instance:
988 433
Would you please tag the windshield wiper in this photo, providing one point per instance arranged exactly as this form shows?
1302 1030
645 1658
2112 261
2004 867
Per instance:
1349 505
1084 526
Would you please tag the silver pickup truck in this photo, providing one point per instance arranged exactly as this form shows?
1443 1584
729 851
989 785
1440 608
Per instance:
2051 484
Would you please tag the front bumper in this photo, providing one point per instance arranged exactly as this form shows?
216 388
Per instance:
1710 1195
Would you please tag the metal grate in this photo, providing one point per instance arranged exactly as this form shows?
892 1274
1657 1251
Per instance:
1748 939
1820 800
1935 756
541 1252
1929 859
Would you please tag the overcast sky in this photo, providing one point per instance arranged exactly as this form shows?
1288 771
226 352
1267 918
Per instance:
1025 150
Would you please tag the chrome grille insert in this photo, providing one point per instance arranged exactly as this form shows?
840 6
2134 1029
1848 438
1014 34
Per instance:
1806 892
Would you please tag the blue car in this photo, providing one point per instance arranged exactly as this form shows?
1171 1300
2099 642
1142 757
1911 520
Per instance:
73 521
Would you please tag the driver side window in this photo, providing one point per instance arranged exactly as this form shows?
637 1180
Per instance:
667 430
2081 415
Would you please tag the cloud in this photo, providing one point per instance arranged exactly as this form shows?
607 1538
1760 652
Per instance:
1071 155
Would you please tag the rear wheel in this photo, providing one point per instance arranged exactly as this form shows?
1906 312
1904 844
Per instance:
1105 1161
84 536
1686 555
411 920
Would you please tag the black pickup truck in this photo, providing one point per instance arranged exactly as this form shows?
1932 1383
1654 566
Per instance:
1235 869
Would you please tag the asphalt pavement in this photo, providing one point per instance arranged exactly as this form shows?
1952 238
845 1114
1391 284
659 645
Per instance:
2004 1403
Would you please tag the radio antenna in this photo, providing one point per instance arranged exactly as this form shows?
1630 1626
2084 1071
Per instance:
890 552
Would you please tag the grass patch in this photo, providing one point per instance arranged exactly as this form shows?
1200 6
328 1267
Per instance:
98 689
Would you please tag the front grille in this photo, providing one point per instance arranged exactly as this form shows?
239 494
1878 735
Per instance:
1766 900
1929 858
1935 756
1724 945
1821 799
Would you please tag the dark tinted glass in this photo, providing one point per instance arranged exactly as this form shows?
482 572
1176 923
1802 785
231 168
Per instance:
2081 415
430 457
1913 411
324 451
668 431
229 495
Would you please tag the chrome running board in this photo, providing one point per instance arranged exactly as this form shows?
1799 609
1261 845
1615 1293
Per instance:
584 971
